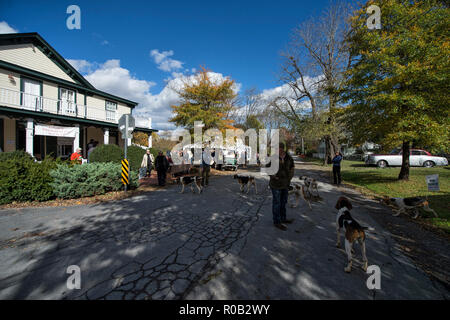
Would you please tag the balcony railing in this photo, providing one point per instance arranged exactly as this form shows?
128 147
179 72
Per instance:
26 101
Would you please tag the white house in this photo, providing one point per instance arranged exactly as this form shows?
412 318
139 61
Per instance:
47 107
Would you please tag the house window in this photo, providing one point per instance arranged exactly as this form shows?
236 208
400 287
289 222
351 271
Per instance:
111 108
68 105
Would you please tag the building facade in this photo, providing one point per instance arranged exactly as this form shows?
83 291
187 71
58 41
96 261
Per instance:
47 107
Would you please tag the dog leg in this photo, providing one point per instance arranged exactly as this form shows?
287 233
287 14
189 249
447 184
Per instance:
192 187
363 251
182 189
416 213
348 249
200 188
428 209
397 213
338 234
248 187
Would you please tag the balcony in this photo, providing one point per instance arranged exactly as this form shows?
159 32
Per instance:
30 102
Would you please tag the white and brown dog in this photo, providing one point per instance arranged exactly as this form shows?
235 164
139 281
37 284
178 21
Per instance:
190 181
353 231
413 203
298 190
245 180
311 185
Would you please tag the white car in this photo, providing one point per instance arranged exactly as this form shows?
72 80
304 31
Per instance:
417 158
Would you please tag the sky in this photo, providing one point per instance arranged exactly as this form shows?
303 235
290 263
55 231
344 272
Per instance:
139 49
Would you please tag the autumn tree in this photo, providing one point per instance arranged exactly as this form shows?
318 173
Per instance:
205 99
140 138
312 75
398 81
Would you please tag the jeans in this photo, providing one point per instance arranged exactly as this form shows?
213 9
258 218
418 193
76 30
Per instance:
280 197
337 174
205 175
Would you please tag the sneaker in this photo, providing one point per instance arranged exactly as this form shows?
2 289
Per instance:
287 221
280 226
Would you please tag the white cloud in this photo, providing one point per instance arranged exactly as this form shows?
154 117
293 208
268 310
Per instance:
112 78
164 62
6 28
82 66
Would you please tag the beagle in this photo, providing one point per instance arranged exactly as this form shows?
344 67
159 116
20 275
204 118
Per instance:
311 185
414 203
298 190
353 231
191 180
246 181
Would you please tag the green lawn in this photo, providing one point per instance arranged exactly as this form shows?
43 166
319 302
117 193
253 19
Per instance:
383 182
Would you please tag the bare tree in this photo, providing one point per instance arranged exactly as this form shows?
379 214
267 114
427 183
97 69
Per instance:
312 72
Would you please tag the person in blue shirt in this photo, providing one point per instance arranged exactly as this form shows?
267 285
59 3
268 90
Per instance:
337 168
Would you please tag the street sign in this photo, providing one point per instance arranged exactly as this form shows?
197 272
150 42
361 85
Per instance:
433 182
125 172
126 126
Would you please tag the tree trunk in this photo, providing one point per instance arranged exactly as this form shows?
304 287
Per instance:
404 172
331 147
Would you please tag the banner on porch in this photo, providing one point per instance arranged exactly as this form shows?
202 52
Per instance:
55 131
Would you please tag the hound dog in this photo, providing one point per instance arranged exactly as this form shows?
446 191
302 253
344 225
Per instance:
246 181
191 181
311 185
413 203
353 231
298 190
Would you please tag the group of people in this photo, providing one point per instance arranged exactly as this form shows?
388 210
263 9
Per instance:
162 164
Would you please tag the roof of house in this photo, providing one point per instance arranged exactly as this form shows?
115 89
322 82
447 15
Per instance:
51 53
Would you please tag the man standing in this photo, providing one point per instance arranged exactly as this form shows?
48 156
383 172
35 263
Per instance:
147 163
337 168
161 165
279 183
207 160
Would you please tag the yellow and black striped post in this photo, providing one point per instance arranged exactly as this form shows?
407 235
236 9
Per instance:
125 173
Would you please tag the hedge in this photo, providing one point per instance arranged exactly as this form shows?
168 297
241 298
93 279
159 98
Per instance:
22 179
107 153
88 180
135 155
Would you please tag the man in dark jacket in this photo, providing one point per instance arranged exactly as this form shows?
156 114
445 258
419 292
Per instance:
337 168
161 166
279 183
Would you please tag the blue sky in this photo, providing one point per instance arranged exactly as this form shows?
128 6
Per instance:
240 39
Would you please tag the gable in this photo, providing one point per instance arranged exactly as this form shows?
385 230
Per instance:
28 56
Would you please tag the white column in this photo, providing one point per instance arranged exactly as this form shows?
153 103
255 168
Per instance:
150 140
29 136
76 140
150 134
106 136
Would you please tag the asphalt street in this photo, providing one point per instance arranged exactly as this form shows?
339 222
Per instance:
220 244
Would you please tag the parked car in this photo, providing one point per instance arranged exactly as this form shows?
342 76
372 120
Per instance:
417 158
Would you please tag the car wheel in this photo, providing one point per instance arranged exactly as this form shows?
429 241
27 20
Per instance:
428 164
382 164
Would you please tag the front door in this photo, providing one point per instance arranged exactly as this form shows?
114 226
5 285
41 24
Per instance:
31 96
67 101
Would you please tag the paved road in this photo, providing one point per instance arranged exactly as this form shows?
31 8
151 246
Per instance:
217 245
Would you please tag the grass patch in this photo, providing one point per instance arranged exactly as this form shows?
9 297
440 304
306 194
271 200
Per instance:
383 182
